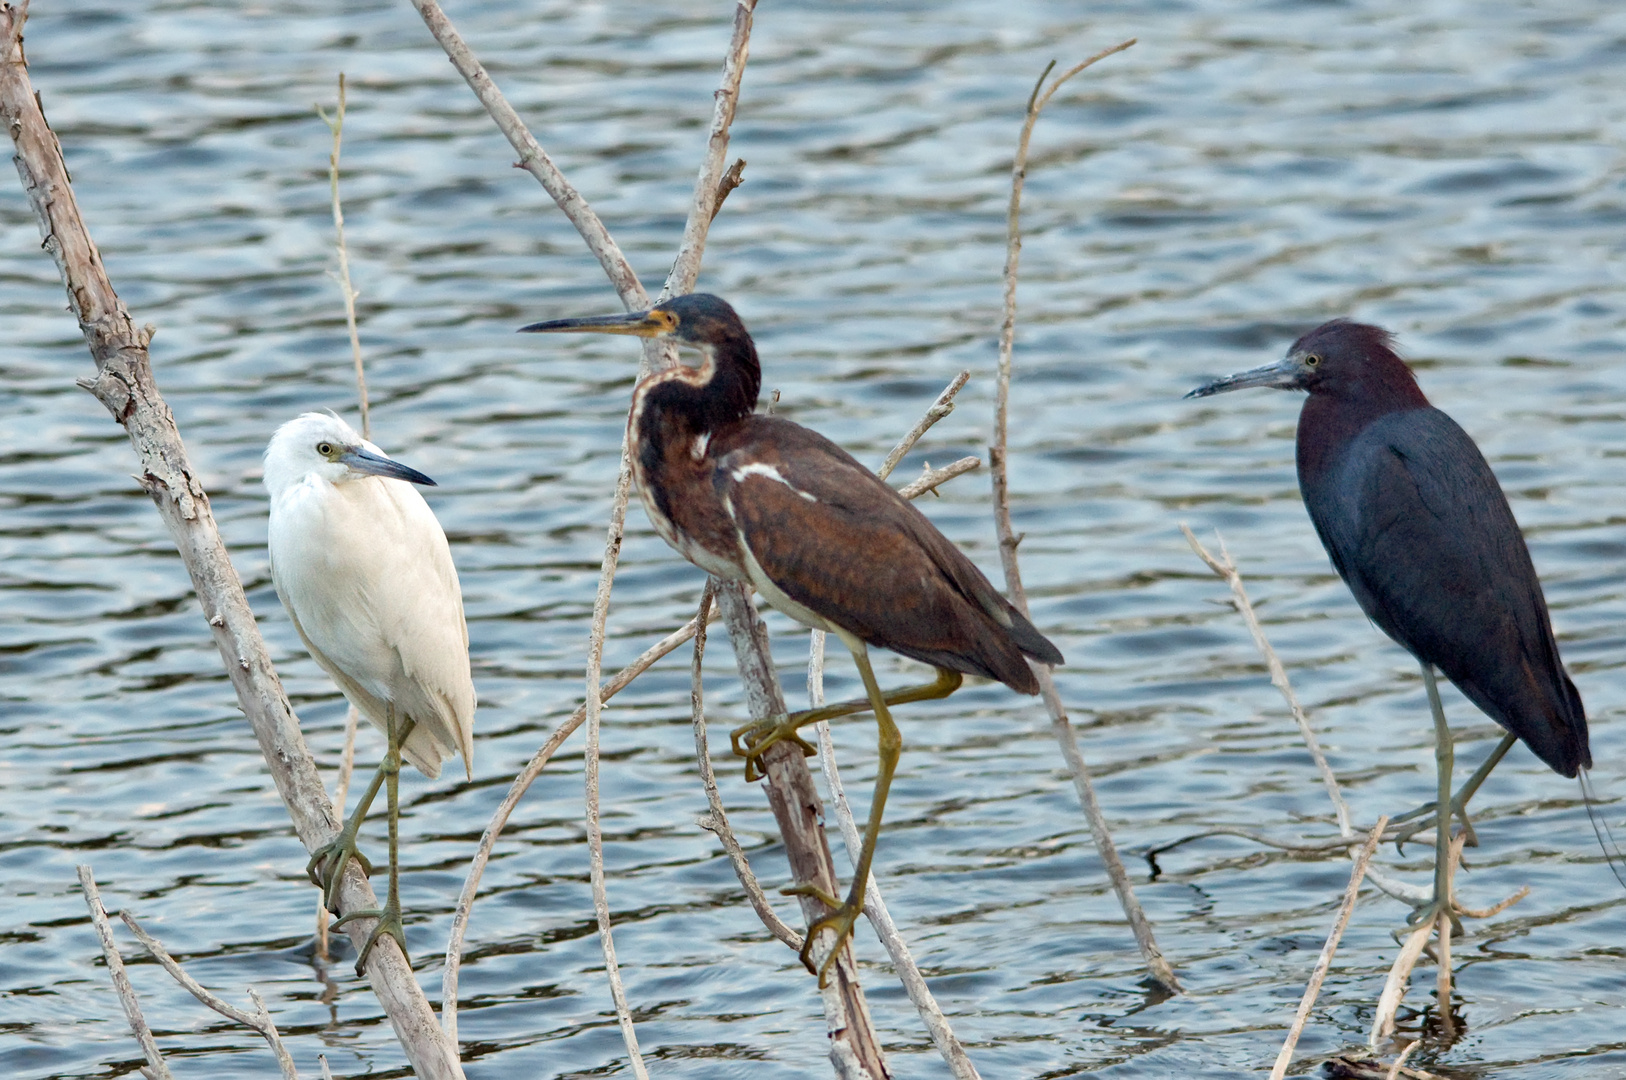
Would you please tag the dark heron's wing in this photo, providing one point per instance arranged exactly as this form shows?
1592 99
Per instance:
840 542
1418 527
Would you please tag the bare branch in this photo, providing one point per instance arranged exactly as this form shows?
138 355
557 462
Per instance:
931 479
124 384
110 949
516 790
259 1020
1394 987
533 159
1226 569
733 178
1008 540
1324 962
336 125
716 821
939 409
903 962
708 189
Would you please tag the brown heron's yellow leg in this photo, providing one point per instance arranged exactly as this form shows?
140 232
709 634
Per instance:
389 916
1459 801
890 745
1442 814
750 740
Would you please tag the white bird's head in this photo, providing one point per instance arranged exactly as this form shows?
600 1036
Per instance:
322 445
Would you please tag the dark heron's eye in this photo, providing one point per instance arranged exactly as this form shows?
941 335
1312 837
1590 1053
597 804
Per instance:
1312 360
325 449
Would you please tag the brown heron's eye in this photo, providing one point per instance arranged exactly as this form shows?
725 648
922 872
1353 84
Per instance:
1312 360
325 449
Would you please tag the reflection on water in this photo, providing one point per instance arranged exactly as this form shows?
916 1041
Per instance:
1450 171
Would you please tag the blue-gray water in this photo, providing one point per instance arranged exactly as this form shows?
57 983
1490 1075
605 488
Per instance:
1451 170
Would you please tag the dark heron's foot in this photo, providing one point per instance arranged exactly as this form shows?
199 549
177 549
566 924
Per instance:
841 921
1424 817
749 741
389 922
326 866
1428 914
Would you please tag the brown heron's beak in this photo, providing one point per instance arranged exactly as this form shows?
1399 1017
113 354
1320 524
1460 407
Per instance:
649 324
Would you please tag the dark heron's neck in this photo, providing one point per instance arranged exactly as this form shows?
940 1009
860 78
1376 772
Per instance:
690 401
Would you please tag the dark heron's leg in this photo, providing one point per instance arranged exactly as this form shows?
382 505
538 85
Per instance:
750 740
1442 812
890 745
389 916
1459 801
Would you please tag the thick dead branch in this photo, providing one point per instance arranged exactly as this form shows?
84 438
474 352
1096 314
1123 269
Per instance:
1285 1058
1139 925
124 384
115 970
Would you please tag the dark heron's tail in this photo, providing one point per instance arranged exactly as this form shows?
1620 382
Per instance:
1600 826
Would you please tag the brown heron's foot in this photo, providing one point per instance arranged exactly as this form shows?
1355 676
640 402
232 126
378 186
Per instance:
841 921
749 741
326 866
389 922
1424 818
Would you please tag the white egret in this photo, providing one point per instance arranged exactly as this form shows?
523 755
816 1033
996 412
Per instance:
364 570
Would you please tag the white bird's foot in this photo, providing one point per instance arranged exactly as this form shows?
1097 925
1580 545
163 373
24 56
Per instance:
389 922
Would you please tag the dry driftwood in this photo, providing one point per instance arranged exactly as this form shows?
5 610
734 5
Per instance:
124 384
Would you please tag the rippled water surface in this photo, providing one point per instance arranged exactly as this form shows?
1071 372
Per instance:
1451 170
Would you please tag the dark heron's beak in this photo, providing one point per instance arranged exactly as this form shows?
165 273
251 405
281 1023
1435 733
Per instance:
365 461
1285 374
649 324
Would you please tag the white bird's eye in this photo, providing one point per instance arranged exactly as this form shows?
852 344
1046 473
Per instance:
1312 360
325 449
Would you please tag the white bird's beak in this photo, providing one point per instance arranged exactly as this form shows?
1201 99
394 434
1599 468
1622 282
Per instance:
365 461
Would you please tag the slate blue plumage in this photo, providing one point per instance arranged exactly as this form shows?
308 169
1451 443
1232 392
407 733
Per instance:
1417 526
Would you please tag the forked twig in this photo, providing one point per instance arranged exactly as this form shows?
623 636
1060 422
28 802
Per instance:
931 479
115 970
1153 957
939 409
259 1020
1225 567
1324 962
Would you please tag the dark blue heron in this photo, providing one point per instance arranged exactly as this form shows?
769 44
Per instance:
761 500
1417 526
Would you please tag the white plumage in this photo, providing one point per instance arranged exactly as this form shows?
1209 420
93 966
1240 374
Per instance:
364 570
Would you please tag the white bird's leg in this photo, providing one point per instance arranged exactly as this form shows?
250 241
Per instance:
1459 801
389 916
890 746
326 865
1442 813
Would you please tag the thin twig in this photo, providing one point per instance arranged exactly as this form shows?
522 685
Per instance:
903 962
259 1020
939 409
716 821
1153 957
516 790
1225 567
336 125
1325 960
115 970
1400 1062
1339 844
931 479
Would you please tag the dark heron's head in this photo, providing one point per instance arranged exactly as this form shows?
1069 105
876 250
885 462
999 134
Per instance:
694 318
1333 357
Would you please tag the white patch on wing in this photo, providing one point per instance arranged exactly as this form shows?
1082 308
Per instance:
698 449
757 468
